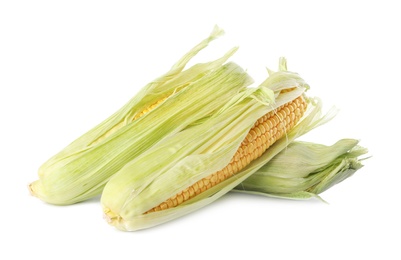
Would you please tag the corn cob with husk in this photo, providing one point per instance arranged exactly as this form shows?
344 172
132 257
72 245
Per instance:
304 170
200 164
167 105
193 135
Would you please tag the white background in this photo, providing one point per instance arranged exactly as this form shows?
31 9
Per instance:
67 65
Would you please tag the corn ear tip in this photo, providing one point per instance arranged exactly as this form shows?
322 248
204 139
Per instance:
106 216
110 216
32 189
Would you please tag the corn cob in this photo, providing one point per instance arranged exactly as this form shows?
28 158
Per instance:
264 133
164 107
170 83
132 197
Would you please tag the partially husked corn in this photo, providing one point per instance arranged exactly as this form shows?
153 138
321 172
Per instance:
163 107
265 132
208 159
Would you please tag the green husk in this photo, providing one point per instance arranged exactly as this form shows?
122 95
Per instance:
196 152
81 170
304 170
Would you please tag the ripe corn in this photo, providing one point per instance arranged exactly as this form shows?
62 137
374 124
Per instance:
172 82
264 133
200 159
164 107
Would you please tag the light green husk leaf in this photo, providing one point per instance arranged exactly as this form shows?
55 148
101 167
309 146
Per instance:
187 157
304 170
283 79
81 170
